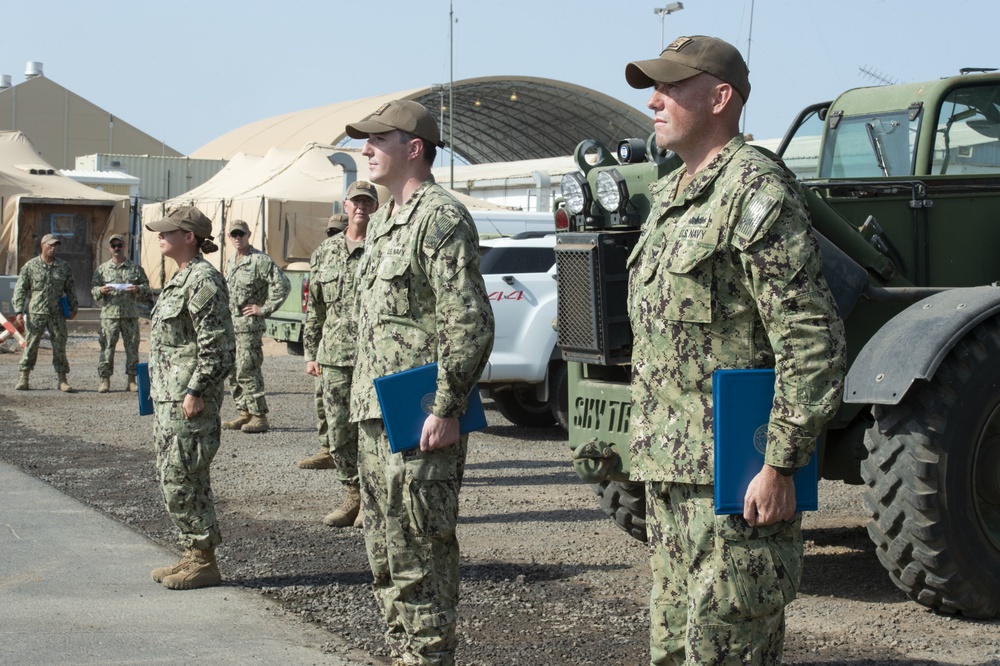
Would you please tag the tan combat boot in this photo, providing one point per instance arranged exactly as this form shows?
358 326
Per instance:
345 514
131 387
322 460
162 572
238 422
257 423
201 570
64 383
105 385
358 522
22 383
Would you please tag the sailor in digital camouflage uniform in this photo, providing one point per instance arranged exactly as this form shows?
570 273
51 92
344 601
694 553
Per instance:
331 335
191 351
322 460
422 299
43 280
120 284
257 287
726 274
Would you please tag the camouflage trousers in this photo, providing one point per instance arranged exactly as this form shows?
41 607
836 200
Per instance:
128 329
720 587
247 378
34 328
341 434
410 506
321 425
184 452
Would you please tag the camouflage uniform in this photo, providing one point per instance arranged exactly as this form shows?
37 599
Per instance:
253 280
39 287
191 348
422 299
725 275
330 338
120 314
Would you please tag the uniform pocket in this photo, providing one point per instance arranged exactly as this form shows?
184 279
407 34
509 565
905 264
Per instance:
764 565
685 268
394 281
432 495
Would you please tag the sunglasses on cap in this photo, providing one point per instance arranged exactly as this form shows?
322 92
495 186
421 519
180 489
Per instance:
117 246
237 234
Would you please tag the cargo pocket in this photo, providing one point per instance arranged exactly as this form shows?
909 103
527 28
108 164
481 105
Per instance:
764 566
329 285
431 496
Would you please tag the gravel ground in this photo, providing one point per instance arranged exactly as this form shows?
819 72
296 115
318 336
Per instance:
546 578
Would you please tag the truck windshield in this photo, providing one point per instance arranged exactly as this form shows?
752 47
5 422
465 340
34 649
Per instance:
871 146
968 131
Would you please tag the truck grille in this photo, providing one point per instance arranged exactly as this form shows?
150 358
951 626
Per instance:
593 292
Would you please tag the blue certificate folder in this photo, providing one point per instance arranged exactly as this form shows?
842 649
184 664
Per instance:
741 409
64 304
406 399
142 379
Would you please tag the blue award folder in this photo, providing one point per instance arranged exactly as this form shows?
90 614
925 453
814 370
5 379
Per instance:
741 402
406 399
64 304
142 379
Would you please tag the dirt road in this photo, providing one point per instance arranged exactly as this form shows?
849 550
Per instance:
547 579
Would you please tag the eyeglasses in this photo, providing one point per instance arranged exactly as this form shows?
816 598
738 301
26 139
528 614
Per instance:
116 246
237 234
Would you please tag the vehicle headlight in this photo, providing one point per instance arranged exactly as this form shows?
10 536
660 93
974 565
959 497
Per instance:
631 151
575 192
612 193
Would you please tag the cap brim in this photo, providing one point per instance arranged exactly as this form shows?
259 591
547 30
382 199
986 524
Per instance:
362 129
162 225
54 242
646 73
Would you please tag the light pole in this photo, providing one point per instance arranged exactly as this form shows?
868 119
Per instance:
662 12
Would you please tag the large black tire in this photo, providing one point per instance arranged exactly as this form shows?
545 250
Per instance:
559 394
521 407
295 348
933 476
625 503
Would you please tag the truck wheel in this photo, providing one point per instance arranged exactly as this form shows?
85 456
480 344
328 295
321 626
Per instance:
559 394
933 475
520 406
625 503
295 348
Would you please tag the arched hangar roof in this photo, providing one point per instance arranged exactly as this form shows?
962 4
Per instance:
496 119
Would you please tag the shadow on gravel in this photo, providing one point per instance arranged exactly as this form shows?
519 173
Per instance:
577 516
567 477
499 572
834 573
351 578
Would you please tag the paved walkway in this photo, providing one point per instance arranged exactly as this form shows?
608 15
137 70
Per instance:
75 589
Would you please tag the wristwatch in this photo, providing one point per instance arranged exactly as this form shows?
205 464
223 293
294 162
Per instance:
194 394
784 471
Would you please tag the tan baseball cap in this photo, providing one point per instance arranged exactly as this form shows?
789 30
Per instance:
116 237
401 114
188 218
362 188
689 56
338 222
241 225
51 239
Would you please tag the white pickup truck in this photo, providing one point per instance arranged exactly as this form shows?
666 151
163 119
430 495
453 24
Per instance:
525 375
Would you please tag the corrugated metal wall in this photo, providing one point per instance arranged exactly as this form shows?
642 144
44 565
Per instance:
162 177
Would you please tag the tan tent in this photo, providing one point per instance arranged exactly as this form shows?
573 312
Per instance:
284 197
38 200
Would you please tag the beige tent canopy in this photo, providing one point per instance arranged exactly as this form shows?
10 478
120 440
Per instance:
38 200
285 198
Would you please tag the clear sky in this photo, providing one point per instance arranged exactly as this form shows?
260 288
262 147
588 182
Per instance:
187 72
